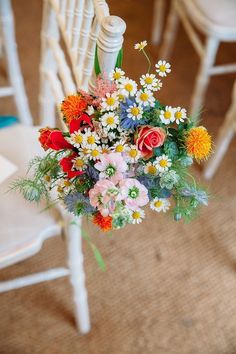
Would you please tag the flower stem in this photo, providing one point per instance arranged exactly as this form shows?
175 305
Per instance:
148 60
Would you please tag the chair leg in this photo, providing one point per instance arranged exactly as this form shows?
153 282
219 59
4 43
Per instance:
170 33
159 9
13 66
225 136
202 79
77 275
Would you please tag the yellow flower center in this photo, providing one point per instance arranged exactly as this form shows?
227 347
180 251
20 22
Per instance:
121 97
119 148
129 87
167 115
144 96
94 153
148 80
135 111
110 101
91 139
79 163
158 204
152 170
110 120
67 183
133 153
162 68
78 139
85 151
178 115
116 75
163 163
136 215
47 178
105 150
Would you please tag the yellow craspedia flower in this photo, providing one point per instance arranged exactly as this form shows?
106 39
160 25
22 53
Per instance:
198 143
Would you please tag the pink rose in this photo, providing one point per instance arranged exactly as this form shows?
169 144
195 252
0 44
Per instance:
148 139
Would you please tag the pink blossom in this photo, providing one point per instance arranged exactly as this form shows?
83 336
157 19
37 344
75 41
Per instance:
111 166
104 196
133 193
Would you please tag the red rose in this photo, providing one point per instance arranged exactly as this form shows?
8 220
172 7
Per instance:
67 164
53 139
148 139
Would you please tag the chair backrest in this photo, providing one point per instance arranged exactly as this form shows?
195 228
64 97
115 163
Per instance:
72 31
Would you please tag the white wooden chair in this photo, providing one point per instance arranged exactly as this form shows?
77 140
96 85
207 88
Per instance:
213 18
9 48
225 135
157 22
81 25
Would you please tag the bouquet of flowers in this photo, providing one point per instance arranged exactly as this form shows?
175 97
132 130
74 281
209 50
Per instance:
122 150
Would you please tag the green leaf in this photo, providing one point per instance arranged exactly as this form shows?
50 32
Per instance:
119 59
95 250
97 65
98 257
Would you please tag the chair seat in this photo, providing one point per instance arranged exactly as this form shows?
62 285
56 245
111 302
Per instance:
23 225
214 17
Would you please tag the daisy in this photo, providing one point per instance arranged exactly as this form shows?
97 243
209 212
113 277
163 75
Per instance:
162 163
160 204
110 102
134 112
140 45
127 87
116 74
180 114
150 82
120 146
137 216
145 98
94 153
163 68
150 169
132 153
84 153
110 120
63 185
76 139
78 164
90 138
168 115
105 149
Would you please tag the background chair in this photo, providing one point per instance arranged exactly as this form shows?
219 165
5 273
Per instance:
218 26
225 135
81 25
9 48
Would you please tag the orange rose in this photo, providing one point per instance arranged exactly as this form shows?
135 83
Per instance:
148 139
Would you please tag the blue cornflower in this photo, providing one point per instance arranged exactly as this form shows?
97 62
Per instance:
127 121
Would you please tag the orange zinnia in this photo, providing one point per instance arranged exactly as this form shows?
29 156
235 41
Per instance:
198 143
72 107
104 222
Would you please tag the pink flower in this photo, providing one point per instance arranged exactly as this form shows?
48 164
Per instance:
104 196
111 166
133 193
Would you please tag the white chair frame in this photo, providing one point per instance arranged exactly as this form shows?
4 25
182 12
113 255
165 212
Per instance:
82 24
207 53
225 135
9 48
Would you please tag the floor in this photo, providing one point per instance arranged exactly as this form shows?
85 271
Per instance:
169 287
